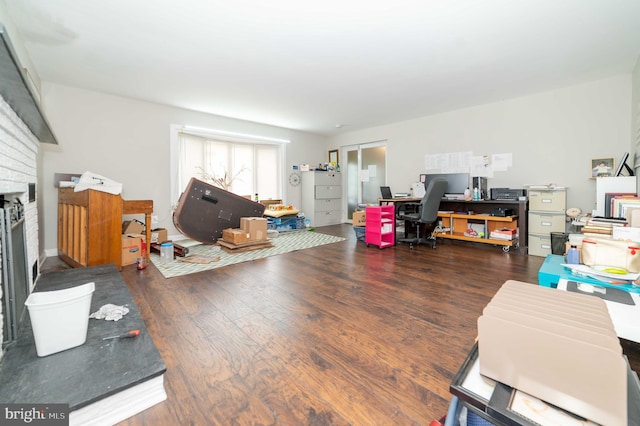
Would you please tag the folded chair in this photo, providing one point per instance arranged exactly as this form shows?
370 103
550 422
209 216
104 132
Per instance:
423 215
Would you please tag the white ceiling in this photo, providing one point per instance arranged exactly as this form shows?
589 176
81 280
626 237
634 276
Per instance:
312 65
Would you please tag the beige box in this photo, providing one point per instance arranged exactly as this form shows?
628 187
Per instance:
132 227
256 227
359 218
131 248
159 235
235 235
626 233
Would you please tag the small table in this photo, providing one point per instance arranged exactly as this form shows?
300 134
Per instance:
138 207
625 318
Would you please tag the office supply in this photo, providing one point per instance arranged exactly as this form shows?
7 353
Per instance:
501 212
425 214
418 189
531 354
481 184
385 191
380 226
620 184
507 193
623 316
498 403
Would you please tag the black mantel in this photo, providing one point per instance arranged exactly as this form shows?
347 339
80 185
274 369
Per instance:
88 373
16 92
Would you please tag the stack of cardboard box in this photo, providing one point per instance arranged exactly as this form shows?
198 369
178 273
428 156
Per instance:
251 235
133 235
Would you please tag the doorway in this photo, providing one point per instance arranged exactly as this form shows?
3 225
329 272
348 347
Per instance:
366 173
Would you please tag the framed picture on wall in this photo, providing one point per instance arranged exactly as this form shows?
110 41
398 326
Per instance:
602 167
333 157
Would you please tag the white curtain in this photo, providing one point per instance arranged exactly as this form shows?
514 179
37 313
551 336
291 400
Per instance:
240 167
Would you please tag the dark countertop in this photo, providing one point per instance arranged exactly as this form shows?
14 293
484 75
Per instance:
88 373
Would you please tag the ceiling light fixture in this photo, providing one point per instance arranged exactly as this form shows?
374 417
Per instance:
204 130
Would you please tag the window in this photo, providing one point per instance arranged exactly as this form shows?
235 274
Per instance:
238 163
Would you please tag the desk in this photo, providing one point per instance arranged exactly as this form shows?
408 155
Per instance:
481 206
397 203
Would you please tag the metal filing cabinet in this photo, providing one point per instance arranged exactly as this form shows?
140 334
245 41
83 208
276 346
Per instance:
322 197
546 215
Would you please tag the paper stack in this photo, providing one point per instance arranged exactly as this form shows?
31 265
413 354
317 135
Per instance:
555 345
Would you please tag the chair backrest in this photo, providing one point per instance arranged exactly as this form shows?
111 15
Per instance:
430 203
386 192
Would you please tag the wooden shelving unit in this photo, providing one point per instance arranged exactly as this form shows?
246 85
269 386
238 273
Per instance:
458 224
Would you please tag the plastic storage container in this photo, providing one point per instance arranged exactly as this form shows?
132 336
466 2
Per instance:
60 318
573 256
166 252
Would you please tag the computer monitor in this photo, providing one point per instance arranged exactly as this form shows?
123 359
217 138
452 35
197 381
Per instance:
386 192
456 182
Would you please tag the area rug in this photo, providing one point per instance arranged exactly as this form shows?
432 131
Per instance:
284 243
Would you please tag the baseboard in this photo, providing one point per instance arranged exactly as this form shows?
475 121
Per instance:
121 406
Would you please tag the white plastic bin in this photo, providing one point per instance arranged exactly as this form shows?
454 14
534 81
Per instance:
60 318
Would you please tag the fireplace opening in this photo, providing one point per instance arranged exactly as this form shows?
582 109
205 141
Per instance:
15 271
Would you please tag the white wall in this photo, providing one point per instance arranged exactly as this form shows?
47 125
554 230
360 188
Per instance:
635 117
553 136
128 141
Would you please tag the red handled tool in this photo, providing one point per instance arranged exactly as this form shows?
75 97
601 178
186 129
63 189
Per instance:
128 334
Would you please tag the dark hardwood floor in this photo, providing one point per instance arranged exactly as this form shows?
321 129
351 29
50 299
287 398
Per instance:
339 334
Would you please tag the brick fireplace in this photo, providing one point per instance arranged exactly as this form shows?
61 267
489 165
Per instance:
18 169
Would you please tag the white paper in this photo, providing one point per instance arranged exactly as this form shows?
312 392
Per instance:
501 162
94 181
452 162
477 383
542 413
595 273
480 167
364 175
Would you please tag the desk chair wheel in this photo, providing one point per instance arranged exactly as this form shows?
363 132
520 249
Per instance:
506 249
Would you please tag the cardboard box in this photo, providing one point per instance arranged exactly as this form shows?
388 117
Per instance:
159 235
359 219
256 227
131 248
235 235
132 227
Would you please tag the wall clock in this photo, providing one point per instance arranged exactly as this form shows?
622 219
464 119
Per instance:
294 178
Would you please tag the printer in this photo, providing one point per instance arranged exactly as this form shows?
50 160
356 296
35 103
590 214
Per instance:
507 193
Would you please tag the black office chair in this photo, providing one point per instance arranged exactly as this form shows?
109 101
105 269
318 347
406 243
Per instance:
424 214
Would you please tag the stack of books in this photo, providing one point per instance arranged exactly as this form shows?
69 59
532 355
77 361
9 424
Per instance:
505 234
602 226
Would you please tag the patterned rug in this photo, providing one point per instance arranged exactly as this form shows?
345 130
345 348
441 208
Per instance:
284 243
